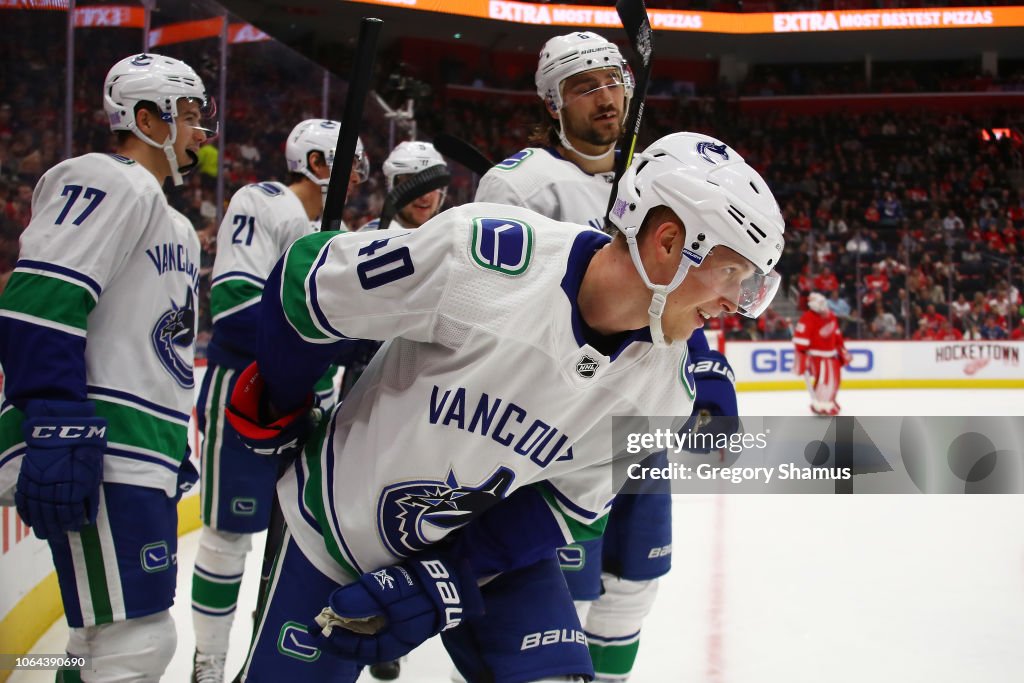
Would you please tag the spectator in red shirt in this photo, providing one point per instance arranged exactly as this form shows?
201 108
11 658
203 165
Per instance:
932 317
826 281
948 333
877 280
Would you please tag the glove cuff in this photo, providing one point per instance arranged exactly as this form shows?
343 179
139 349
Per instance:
61 424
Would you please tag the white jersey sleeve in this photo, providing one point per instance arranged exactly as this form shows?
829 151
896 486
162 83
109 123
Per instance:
374 284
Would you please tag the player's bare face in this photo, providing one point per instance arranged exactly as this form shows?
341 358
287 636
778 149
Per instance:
594 103
707 291
422 209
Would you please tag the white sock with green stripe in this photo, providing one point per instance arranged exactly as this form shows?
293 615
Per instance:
220 563
613 625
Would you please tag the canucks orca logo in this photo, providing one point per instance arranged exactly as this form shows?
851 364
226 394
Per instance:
142 60
720 149
414 514
174 330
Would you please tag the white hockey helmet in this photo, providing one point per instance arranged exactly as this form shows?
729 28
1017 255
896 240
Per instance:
162 81
721 201
574 53
817 302
410 157
320 135
571 54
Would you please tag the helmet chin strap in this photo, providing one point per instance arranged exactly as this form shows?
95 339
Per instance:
588 157
168 148
659 293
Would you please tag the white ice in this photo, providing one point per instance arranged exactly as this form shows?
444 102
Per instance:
794 589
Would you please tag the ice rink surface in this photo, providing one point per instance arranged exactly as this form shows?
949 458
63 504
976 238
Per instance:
794 589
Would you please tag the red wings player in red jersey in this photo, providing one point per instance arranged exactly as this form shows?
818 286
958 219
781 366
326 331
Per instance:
820 353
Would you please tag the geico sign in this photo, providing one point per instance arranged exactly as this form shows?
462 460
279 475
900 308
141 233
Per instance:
765 361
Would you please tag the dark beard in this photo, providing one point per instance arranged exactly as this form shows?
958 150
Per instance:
599 138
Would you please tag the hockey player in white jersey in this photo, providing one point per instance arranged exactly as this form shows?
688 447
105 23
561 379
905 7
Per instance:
512 339
586 86
97 331
406 160
612 578
237 490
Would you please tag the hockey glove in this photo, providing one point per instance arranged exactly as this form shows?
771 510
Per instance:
388 613
715 408
58 487
249 412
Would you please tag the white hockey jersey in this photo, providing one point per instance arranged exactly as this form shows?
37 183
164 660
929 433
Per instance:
539 179
101 306
486 384
262 220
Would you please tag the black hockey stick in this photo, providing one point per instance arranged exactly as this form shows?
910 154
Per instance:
633 14
411 189
463 152
344 151
337 188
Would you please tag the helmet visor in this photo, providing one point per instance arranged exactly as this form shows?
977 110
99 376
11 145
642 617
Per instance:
204 119
588 85
726 274
756 293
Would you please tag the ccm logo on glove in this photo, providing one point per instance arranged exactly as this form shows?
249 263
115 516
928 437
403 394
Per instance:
69 432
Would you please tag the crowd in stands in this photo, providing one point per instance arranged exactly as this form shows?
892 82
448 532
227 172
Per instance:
910 222
899 77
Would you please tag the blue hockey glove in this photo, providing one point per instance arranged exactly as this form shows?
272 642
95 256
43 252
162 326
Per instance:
58 485
716 384
715 407
249 412
388 613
